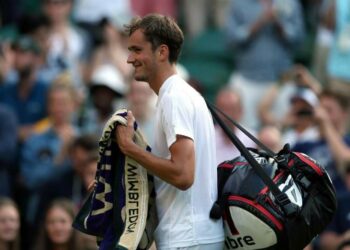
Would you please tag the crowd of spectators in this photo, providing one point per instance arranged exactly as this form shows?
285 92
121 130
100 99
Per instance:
63 72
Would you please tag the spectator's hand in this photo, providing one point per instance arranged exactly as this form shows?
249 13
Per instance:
125 134
66 134
321 115
304 78
25 131
269 15
322 119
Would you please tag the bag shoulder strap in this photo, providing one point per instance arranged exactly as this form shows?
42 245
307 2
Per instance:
289 208
268 151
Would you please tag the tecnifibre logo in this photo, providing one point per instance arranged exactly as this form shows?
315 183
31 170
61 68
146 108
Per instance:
239 242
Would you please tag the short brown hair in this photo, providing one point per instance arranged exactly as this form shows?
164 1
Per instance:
159 29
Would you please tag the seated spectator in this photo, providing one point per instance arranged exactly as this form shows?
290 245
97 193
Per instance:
229 102
301 120
74 183
275 104
57 231
27 96
9 225
107 86
44 156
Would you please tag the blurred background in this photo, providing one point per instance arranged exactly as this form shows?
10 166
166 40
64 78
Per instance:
279 67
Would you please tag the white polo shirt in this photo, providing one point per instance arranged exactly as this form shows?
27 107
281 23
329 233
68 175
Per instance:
184 215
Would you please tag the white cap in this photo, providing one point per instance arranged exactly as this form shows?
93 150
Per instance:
108 76
306 95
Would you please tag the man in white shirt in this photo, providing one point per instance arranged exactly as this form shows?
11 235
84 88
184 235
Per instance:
183 158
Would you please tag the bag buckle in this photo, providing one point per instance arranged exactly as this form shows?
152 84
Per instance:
290 209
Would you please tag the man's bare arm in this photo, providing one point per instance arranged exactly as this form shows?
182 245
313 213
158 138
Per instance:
178 170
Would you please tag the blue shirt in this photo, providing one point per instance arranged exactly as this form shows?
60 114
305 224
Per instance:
37 166
319 150
264 56
341 220
29 110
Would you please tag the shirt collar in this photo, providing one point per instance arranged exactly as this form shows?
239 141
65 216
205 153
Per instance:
165 86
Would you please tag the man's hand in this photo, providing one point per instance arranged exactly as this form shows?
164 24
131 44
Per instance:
91 186
125 134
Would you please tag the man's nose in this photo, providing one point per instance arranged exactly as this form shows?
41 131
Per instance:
130 59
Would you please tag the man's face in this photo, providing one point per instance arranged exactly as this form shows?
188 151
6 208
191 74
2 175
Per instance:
24 61
57 10
141 56
103 98
229 103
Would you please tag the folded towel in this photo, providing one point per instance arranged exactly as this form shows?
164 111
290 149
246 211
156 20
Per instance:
121 210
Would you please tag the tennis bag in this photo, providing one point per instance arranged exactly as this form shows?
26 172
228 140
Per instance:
271 201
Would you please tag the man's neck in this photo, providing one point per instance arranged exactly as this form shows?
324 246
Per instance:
161 76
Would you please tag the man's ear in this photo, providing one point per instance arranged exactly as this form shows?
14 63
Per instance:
163 53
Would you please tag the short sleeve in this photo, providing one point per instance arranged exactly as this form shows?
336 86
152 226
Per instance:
177 118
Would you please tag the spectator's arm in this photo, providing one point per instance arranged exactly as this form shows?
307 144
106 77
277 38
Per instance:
305 78
339 150
291 26
238 31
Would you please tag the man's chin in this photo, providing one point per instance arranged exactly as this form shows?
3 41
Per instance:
140 78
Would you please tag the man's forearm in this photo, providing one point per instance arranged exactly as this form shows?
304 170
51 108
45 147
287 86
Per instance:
166 169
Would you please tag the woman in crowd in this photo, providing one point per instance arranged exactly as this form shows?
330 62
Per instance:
57 232
9 224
